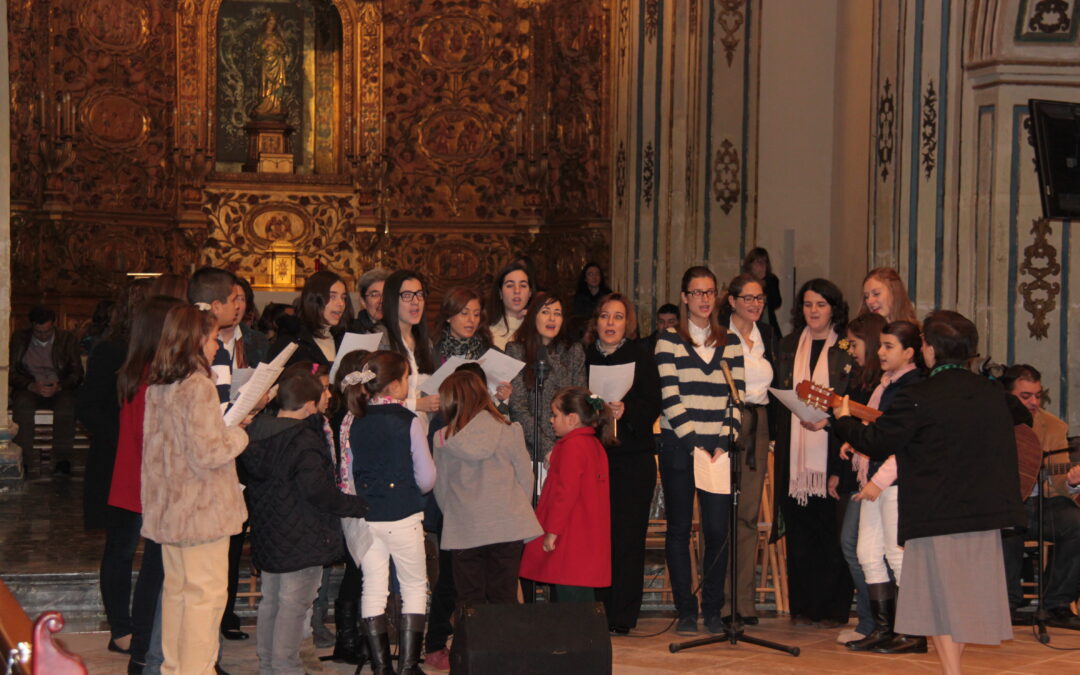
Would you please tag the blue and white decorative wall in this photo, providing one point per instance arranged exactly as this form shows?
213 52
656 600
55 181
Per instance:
954 201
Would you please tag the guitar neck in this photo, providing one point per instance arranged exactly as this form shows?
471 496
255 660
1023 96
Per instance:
826 399
863 412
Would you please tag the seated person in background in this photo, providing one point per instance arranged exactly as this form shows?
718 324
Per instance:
1061 515
45 373
666 317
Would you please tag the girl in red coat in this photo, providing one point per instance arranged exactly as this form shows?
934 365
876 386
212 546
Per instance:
574 556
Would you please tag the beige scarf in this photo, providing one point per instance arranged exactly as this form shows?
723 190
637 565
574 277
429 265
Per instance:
809 449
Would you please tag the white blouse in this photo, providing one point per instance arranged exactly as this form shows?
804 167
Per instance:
757 371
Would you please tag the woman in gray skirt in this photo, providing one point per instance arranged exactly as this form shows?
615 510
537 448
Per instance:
955 450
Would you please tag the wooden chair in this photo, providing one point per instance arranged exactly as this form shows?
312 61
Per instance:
654 540
248 589
30 646
771 559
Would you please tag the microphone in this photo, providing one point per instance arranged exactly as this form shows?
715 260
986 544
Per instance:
542 367
736 398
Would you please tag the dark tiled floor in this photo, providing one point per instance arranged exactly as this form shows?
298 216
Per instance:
41 527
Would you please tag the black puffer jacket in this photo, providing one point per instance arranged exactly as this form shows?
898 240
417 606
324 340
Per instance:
294 502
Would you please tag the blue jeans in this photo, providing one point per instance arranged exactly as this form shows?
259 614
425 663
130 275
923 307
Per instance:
677 479
849 543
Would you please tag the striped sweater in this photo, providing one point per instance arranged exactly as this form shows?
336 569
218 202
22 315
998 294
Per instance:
694 393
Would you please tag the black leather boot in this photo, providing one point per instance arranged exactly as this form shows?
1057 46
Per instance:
411 637
902 644
378 642
347 641
883 608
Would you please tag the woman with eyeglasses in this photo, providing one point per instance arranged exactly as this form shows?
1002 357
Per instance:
819 581
697 426
370 288
405 331
743 312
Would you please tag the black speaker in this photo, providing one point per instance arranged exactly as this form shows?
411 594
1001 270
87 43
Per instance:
531 639
1056 130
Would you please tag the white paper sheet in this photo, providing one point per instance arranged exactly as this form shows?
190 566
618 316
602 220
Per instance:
611 383
350 342
804 412
240 376
431 384
712 474
499 367
264 377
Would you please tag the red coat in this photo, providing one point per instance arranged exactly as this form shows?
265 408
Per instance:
574 504
125 492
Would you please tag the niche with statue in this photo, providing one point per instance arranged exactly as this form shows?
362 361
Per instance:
278 68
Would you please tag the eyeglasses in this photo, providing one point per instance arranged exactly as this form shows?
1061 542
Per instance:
374 295
408 296
752 299
698 293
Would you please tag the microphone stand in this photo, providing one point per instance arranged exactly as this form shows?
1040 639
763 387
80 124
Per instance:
734 632
537 454
1041 616
1040 613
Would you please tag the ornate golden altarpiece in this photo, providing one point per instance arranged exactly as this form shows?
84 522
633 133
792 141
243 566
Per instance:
446 136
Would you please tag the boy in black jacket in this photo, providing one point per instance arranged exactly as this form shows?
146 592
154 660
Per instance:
295 510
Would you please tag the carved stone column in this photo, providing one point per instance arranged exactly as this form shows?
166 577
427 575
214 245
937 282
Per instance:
9 453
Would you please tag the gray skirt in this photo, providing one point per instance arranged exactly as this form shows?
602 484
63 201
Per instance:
954 585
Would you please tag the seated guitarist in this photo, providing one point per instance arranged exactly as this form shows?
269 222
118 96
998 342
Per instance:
1061 515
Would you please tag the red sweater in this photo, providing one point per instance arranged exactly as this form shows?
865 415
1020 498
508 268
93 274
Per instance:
574 504
127 472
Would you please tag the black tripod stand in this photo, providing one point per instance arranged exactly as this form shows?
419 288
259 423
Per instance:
1041 616
733 632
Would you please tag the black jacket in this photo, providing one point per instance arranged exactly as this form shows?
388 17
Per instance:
98 409
306 350
955 449
66 358
635 429
293 500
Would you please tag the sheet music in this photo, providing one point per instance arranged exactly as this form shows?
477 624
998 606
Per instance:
804 412
499 367
264 377
240 376
611 383
434 381
350 342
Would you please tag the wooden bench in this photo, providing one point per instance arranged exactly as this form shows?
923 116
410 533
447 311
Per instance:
28 648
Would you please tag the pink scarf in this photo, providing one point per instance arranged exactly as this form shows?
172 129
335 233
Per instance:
859 461
809 449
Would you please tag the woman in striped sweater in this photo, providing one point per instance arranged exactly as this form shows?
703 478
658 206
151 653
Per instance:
696 429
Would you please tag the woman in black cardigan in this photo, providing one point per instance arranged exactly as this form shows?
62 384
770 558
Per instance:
819 582
612 340
320 311
952 435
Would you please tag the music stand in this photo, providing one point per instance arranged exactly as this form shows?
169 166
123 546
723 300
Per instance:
1040 619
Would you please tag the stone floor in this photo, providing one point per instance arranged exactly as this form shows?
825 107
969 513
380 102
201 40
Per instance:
649 654
42 537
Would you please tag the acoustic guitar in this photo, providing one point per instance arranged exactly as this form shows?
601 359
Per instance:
823 398
1028 457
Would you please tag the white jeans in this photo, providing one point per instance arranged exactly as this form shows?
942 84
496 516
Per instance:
403 540
877 538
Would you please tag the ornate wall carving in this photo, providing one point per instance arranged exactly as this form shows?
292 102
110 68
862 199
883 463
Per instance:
484 124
